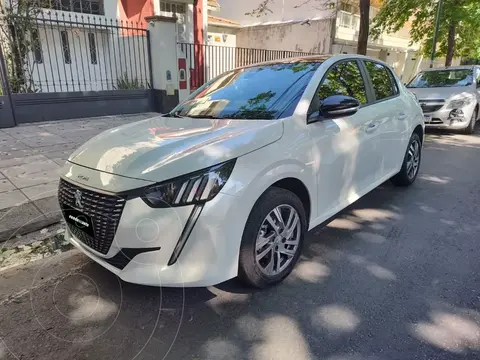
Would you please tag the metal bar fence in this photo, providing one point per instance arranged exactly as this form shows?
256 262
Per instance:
206 62
54 52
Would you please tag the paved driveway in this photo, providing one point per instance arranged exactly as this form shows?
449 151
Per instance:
30 157
396 276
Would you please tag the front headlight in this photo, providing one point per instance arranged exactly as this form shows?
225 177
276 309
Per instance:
460 102
195 188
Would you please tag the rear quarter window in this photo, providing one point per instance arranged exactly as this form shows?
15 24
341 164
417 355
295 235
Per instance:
383 81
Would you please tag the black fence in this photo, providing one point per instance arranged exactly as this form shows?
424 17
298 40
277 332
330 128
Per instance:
205 62
71 52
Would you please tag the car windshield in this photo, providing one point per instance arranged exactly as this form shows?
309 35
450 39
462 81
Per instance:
268 91
442 78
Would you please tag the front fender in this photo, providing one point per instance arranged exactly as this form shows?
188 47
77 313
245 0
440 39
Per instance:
254 173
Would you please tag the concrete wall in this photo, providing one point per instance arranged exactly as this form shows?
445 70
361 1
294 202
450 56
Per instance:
291 36
59 106
6 115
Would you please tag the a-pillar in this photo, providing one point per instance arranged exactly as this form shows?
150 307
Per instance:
164 65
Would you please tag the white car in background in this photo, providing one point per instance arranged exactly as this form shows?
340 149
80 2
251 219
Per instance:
449 97
229 182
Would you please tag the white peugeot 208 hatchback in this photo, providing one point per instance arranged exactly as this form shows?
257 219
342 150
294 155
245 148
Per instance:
228 183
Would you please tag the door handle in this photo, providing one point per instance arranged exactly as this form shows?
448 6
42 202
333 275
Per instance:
371 128
402 116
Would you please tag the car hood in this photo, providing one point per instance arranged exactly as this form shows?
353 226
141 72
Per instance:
161 148
440 93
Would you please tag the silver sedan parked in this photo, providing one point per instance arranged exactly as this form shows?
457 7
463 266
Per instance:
449 97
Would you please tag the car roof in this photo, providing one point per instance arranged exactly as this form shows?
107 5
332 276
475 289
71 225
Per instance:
315 58
460 67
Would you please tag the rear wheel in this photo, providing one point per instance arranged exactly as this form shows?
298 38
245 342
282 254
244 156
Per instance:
273 238
411 163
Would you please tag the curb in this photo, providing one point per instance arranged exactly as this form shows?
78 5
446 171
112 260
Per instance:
26 229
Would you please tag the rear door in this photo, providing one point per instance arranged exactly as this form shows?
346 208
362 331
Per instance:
389 118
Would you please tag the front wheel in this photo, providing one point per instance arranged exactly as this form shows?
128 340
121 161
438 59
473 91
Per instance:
273 238
411 163
470 129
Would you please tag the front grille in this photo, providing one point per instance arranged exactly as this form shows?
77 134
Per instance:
429 106
104 210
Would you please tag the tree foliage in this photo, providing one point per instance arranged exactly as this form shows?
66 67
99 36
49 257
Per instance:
17 25
460 18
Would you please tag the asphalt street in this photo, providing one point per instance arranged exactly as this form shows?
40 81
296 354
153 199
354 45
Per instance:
395 276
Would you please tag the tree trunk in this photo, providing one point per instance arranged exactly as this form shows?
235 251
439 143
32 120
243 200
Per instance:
364 27
450 45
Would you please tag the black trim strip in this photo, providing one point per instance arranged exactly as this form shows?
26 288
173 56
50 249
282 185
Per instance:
187 230
124 256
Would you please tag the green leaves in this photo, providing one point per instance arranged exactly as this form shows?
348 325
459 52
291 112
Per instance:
463 14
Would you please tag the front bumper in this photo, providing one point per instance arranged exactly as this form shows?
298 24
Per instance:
444 119
210 254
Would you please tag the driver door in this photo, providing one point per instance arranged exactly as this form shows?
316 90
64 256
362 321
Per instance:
343 145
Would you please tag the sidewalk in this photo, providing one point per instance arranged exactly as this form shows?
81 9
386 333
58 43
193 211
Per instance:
30 158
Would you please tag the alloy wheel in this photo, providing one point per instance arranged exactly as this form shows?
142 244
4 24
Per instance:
278 240
413 159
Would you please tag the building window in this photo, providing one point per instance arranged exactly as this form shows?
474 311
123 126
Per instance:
93 48
37 47
349 16
65 47
350 8
171 9
94 7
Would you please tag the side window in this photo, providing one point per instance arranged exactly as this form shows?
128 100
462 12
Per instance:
382 80
343 79
394 82
477 75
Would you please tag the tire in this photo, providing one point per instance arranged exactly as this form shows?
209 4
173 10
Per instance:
471 125
257 272
405 177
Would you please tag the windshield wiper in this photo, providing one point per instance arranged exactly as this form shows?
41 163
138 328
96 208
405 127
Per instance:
204 117
175 115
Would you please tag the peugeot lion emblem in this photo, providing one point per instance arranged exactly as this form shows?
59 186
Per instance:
78 199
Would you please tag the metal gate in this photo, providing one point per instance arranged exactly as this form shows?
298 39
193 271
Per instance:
62 65
7 118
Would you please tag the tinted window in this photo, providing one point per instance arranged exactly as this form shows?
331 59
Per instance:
258 92
344 79
442 78
382 80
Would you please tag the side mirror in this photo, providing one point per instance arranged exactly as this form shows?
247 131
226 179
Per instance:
339 106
